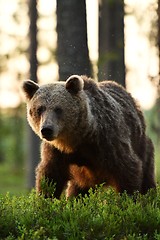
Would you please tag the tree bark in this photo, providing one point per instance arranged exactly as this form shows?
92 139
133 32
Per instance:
32 139
158 43
72 48
111 41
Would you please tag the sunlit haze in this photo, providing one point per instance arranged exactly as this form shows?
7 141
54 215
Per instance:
141 59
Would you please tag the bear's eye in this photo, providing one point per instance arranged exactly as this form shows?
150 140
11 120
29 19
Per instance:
40 110
58 111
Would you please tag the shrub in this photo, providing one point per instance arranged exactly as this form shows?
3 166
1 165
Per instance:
101 215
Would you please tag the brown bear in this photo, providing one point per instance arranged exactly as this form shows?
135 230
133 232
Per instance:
91 133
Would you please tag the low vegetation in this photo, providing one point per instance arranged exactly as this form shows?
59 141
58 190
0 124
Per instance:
101 215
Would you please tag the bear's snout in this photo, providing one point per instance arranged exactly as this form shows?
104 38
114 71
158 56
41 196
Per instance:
47 133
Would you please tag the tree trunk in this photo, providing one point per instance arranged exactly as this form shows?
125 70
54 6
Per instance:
72 49
32 139
158 43
111 41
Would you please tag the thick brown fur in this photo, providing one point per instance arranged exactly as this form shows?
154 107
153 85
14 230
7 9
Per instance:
91 133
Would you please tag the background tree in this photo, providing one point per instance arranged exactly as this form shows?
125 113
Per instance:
72 48
33 141
158 43
155 117
111 41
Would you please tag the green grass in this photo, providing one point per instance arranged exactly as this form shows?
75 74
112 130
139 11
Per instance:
12 180
153 131
101 215
157 162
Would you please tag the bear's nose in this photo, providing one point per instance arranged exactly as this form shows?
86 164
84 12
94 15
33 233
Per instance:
47 133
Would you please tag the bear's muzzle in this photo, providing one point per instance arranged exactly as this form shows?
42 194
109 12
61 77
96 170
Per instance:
47 133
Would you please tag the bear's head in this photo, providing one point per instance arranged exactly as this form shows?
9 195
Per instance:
58 112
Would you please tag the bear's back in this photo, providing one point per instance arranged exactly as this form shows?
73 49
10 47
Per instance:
115 110
111 93
131 109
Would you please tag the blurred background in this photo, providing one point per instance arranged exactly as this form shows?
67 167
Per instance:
50 40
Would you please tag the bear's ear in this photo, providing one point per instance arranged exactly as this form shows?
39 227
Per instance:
29 88
74 84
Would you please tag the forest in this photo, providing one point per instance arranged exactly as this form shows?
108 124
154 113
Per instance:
48 41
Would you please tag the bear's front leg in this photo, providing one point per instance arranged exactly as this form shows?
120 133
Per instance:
53 170
73 190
